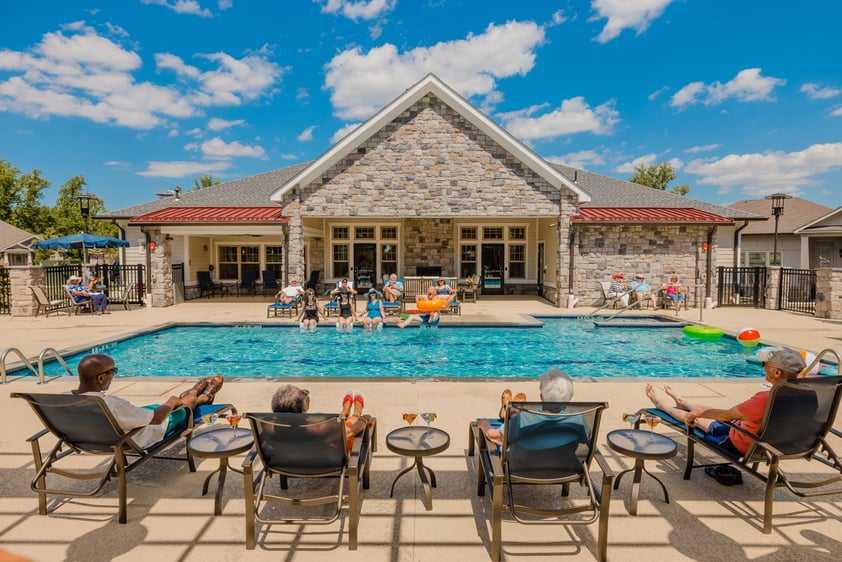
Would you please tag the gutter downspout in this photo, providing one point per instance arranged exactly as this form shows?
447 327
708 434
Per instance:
122 237
148 281
738 242
709 264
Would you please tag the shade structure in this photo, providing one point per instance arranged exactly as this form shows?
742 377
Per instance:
81 240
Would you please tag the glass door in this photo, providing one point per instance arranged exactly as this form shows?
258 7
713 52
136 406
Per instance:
365 266
493 269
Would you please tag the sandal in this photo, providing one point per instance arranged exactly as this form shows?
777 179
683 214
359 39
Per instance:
725 474
214 385
347 402
199 387
505 398
359 399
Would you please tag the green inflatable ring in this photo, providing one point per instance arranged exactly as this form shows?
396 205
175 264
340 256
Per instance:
703 332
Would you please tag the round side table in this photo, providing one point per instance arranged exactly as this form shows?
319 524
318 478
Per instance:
641 446
418 442
221 444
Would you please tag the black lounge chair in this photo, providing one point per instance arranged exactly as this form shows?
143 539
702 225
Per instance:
248 283
305 446
798 416
208 285
84 424
270 281
547 443
313 281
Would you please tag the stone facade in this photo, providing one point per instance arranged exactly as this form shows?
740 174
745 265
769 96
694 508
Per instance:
23 302
656 251
430 242
829 294
160 263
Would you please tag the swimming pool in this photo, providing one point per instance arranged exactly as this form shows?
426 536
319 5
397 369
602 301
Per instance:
447 352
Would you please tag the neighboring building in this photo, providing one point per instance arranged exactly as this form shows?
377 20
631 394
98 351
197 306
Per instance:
757 240
431 185
15 245
821 241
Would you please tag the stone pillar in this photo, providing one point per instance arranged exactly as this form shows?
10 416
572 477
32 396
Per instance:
773 282
295 241
160 264
22 277
829 293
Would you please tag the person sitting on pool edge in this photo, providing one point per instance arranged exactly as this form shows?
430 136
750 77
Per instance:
427 319
779 364
294 400
95 375
555 386
343 295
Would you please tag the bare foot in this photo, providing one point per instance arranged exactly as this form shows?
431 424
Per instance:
679 401
652 394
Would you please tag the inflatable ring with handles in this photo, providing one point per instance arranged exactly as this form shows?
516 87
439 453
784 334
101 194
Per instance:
431 306
703 332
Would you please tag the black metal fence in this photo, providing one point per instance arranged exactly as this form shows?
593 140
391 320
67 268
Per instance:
5 291
797 290
116 279
742 286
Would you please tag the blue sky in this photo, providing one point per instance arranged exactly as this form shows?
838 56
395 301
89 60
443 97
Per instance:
743 98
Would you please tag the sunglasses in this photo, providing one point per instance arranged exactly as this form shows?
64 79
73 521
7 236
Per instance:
112 370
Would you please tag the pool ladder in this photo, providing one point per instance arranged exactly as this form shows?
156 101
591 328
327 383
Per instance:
39 372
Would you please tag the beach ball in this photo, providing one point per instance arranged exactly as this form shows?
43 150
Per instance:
748 337
809 358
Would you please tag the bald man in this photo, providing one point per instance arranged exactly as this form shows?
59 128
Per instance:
95 375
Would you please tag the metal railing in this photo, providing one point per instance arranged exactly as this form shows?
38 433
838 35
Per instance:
797 290
115 277
742 286
5 291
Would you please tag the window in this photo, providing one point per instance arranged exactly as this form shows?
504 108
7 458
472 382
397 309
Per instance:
364 233
340 260
492 233
468 260
340 232
389 258
468 233
754 259
274 259
517 233
234 261
388 233
517 261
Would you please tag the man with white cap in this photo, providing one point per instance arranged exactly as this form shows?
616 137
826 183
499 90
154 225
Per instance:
81 293
779 364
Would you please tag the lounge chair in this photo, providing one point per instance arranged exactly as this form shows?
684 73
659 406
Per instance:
126 297
305 446
798 416
612 300
77 306
284 307
247 283
46 304
547 443
270 281
84 424
392 307
313 281
333 304
208 285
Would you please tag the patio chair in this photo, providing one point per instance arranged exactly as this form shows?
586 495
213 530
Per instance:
544 444
798 416
247 283
455 307
83 424
305 446
284 307
392 307
77 306
208 285
46 304
126 297
333 304
613 300
270 281
313 281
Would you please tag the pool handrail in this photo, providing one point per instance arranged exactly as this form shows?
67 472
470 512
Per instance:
27 363
822 353
51 351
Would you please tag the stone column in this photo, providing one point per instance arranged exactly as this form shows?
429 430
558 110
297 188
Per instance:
160 263
829 293
22 277
773 281
295 241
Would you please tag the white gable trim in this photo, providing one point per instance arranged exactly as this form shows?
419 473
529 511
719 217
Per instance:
430 84
835 213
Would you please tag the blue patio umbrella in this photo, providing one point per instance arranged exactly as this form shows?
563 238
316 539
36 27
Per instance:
81 240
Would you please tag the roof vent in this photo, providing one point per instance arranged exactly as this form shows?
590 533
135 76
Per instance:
575 176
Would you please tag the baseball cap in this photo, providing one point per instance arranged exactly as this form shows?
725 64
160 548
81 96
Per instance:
638 276
618 276
787 360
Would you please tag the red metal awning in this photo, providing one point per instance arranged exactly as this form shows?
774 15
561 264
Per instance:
212 215
653 215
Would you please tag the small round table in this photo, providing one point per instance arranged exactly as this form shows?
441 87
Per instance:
641 446
418 442
221 444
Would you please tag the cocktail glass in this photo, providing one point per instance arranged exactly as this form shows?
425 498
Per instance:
409 417
210 419
651 421
234 420
428 417
631 419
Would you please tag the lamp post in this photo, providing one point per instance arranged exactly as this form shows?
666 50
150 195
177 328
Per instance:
777 210
84 210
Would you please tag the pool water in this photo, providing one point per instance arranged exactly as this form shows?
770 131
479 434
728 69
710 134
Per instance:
445 352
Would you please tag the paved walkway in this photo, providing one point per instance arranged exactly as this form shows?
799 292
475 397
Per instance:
170 520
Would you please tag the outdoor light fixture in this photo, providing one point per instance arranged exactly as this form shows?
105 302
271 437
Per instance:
777 210
85 207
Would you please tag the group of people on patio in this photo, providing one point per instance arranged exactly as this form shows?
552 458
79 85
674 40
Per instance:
88 293
639 290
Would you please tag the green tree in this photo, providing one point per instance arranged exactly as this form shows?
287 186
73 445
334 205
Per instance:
67 217
658 176
204 181
20 198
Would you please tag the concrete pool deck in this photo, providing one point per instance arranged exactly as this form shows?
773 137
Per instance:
168 519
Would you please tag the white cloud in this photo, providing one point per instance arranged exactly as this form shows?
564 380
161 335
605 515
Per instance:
747 85
302 94
79 73
359 9
657 93
288 156
818 92
191 7
343 132
581 159
216 124
573 116
836 112
117 163
182 169
702 148
361 83
218 149
306 135
626 14
559 17
648 160
763 174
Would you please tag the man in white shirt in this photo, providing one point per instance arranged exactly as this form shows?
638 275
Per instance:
290 293
393 289
95 375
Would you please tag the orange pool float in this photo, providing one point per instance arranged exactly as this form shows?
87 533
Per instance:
431 306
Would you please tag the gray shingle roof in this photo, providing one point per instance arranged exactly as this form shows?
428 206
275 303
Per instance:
797 212
11 235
